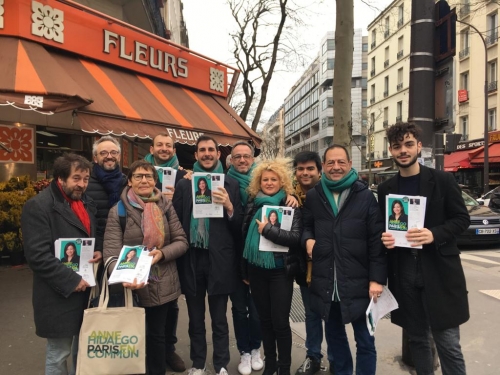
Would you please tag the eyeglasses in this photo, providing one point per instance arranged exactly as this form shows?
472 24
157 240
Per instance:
106 153
140 176
246 157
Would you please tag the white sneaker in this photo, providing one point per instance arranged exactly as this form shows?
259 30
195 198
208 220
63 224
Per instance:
223 371
196 371
257 362
245 366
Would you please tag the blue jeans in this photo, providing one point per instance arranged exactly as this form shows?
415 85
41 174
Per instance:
58 351
314 328
245 319
366 355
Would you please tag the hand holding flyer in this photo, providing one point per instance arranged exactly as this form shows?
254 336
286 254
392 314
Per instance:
402 213
281 217
133 262
75 253
376 311
203 184
169 175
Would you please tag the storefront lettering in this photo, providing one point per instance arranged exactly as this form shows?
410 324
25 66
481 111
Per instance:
146 55
468 145
183 135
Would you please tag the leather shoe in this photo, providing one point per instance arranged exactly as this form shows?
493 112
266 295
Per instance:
175 362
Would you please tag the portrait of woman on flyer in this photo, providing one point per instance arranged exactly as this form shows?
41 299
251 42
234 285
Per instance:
273 218
203 194
399 219
71 257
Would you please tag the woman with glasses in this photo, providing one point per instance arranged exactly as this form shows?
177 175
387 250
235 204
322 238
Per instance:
151 221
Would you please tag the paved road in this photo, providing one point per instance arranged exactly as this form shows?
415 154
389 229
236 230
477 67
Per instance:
22 352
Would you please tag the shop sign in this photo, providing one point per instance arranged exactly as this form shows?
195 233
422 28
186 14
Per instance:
90 34
183 136
493 137
382 163
17 144
463 96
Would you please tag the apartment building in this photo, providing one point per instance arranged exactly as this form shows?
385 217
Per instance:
471 64
272 135
389 76
309 106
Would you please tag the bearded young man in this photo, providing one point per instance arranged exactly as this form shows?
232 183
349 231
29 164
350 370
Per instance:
428 283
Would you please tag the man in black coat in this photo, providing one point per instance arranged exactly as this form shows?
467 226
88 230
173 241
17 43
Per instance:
428 283
106 182
208 267
342 229
60 211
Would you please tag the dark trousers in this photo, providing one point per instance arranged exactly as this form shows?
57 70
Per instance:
245 319
171 327
217 305
272 293
157 341
447 341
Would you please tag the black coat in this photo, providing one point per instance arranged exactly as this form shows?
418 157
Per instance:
351 244
444 281
223 236
96 191
294 262
58 309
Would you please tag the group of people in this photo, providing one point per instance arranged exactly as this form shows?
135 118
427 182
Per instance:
336 249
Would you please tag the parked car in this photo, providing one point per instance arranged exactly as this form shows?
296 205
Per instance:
485 199
484 225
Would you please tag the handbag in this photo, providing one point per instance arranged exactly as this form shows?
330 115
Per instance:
112 340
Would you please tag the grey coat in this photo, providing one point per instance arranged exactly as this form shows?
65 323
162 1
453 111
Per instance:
168 288
58 310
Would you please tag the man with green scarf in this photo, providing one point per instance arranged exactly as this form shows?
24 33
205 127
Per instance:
162 154
342 234
209 266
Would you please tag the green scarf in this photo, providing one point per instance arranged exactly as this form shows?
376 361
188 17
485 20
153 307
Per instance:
329 187
264 259
199 228
244 180
172 163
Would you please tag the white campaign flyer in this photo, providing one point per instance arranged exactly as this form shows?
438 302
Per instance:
376 311
203 184
133 262
279 216
404 212
75 253
169 175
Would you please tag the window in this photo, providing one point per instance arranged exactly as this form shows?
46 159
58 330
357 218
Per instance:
401 15
365 47
492 119
328 65
399 111
386 114
464 81
324 67
323 48
326 103
492 27
492 71
387 24
330 44
386 54
464 127
400 46
372 73
374 38
464 35
364 103
363 83
364 66
386 86
400 75
372 98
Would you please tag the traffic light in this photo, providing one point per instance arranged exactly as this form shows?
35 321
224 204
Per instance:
446 30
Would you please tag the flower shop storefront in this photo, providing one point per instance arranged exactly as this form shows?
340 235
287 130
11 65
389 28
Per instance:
71 74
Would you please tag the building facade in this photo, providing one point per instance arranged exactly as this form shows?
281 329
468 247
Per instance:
273 144
309 106
389 77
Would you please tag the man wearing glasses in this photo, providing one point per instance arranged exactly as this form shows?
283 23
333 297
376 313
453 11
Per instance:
106 182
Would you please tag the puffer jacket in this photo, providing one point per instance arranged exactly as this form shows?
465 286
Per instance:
292 260
168 288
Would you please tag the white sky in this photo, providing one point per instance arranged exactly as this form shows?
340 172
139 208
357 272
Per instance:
209 23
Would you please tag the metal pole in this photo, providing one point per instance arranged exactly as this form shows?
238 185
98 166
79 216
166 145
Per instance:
439 150
486 165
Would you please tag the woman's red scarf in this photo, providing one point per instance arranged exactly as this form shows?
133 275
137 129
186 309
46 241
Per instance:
78 208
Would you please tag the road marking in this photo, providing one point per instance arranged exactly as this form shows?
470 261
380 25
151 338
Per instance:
477 259
492 293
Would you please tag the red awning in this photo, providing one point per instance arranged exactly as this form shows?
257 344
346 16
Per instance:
456 160
493 154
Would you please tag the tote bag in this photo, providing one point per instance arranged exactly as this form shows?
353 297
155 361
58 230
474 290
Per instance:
112 340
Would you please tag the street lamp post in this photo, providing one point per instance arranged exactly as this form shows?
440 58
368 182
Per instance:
486 173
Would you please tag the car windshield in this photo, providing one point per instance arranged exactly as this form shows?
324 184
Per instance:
469 201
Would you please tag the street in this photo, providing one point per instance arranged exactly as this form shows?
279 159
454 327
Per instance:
22 352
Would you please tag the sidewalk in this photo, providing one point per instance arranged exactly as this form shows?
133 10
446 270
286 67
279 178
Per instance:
22 352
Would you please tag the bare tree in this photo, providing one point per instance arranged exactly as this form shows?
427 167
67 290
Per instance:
344 45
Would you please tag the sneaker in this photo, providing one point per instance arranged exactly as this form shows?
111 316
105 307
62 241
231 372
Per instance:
245 366
197 371
175 362
257 362
223 371
310 366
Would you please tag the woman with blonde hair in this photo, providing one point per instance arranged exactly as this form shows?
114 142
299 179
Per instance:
270 274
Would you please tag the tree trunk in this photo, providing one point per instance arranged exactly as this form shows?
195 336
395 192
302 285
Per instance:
344 46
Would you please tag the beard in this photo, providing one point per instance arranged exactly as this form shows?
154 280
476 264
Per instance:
408 164
108 168
75 193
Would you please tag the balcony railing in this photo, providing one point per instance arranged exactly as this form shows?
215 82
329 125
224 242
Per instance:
400 54
386 123
374 44
464 53
386 63
399 86
400 22
372 100
386 34
386 93
399 118
372 73
492 86
492 38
